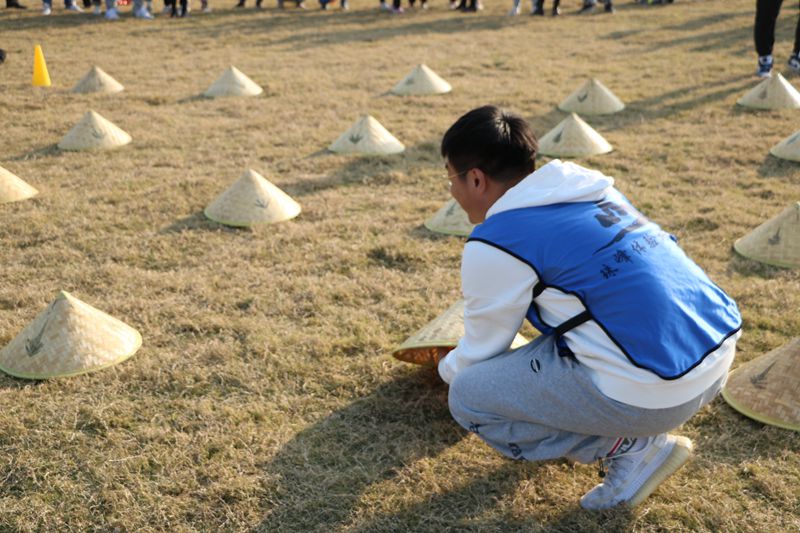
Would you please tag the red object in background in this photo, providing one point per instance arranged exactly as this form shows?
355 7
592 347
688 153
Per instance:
123 2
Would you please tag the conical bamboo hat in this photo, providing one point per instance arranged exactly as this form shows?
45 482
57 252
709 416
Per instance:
233 82
252 199
367 136
592 98
451 219
94 132
573 138
428 345
69 337
776 241
97 81
789 148
422 80
767 388
773 93
13 189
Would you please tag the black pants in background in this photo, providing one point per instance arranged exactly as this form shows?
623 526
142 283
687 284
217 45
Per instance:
764 30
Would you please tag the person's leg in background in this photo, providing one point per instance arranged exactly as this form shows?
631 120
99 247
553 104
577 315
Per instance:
764 34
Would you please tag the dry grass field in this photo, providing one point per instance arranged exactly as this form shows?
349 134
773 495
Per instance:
264 397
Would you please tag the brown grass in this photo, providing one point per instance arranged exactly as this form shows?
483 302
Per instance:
264 396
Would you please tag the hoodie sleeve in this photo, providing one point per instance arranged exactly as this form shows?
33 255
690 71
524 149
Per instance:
497 291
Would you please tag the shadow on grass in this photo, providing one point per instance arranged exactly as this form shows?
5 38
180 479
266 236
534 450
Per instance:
706 40
421 232
58 20
665 105
316 480
44 151
200 97
367 170
464 509
775 167
729 437
750 267
374 26
198 222
9 382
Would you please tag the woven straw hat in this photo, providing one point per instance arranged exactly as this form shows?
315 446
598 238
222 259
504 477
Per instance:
233 83
252 200
767 388
422 80
592 98
97 81
13 189
94 132
367 136
573 138
776 241
451 219
68 338
789 148
428 345
773 93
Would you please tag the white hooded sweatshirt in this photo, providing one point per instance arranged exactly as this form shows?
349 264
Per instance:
496 305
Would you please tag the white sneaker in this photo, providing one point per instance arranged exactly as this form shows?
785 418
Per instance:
514 11
75 8
794 63
112 14
143 13
633 476
764 66
46 10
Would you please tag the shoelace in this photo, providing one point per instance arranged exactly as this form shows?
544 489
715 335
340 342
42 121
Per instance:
602 469
606 467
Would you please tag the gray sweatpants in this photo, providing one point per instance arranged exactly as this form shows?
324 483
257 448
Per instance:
532 404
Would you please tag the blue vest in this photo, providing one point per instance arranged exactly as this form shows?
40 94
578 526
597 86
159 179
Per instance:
659 308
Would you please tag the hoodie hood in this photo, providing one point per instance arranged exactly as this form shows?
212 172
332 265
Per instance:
555 183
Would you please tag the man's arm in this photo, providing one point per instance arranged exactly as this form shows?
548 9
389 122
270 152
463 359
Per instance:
497 290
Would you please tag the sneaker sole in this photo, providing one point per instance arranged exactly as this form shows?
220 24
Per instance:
680 453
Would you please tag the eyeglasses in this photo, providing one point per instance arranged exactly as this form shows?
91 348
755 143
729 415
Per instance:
450 177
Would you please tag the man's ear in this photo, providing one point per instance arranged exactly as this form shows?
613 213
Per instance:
478 180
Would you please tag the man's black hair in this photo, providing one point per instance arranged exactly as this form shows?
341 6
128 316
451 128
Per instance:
499 143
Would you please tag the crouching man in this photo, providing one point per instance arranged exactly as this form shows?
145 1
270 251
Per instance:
635 337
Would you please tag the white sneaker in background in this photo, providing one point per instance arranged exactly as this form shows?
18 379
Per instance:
46 10
764 66
143 13
112 14
794 63
75 8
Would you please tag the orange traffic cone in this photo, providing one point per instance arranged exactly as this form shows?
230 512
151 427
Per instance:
41 78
